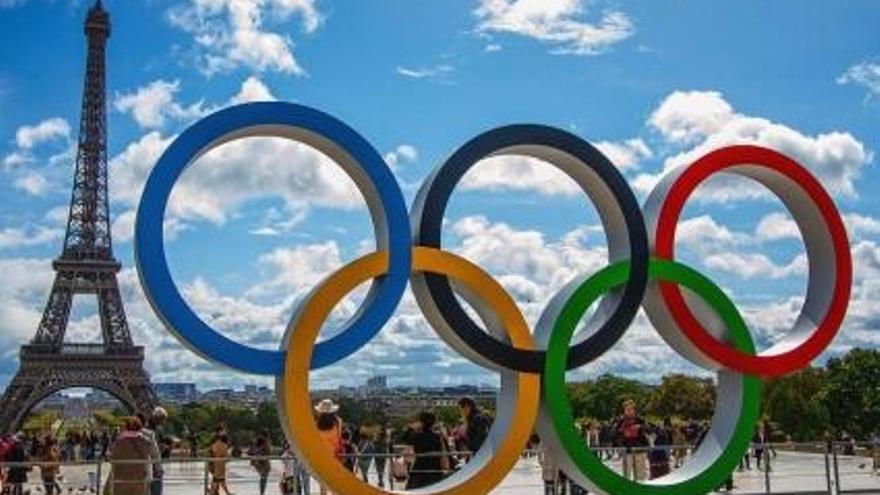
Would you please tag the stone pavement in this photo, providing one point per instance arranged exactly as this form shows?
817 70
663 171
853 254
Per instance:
791 472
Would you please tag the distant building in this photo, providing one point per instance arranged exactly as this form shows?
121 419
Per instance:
54 402
76 409
346 391
99 399
254 393
377 384
177 392
462 390
218 394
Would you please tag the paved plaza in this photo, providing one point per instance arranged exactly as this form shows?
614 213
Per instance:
791 473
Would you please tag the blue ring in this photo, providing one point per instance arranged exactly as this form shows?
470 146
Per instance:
149 242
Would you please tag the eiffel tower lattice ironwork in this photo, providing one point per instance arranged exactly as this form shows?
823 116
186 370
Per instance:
86 266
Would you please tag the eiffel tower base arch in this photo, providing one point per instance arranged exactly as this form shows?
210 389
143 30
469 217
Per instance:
43 372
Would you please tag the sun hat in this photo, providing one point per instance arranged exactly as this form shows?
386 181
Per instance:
326 406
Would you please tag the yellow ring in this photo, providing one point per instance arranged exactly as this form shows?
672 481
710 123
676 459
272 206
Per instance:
296 403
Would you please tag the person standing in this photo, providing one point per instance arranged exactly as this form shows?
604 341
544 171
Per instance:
193 441
431 460
658 456
679 441
330 428
17 475
129 467
219 454
381 447
51 466
154 434
630 430
295 479
261 450
476 424
347 451
366 451
759 445
875 452
105 445
549 469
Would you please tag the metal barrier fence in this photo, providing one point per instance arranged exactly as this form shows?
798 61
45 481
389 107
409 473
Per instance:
793 469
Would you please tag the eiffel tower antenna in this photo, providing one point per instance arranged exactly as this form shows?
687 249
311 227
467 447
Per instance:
86 266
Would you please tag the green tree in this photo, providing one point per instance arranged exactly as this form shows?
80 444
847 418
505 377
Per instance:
795 404
449 415
683 396
602 398
852 392
356 413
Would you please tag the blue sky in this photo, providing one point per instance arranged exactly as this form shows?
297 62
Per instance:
257 223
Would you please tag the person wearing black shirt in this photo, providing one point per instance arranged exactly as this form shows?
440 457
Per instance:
630 431
760 441
658 456
476 424
429 466
17 476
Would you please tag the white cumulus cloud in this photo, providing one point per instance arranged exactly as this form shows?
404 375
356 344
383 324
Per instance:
705 121
152 105
29 136
402 154
33 183
237 33
626 155
560 23
865 74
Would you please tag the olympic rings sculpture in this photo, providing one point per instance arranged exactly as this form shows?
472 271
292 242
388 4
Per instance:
702 324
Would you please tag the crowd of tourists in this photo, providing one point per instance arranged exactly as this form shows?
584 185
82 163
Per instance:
423 453
135 452
647 450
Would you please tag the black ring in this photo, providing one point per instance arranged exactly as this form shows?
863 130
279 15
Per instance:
430 209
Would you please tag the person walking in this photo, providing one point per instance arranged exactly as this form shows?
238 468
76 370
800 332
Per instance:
219 454
130 471
431 457
760 443
261 451
51 466
630 430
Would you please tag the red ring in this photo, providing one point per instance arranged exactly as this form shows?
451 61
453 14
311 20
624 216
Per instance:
761 365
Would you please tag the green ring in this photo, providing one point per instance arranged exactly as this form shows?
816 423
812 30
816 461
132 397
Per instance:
558 407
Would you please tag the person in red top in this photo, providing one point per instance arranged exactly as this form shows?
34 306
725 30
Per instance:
631 435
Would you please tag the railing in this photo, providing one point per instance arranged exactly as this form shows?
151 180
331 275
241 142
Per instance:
790 469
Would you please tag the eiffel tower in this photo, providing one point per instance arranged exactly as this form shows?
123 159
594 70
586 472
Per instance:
86 266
